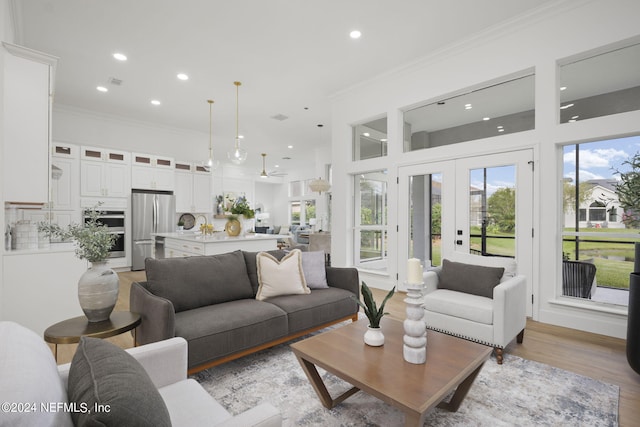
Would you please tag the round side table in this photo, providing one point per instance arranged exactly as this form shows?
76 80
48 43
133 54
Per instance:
71 330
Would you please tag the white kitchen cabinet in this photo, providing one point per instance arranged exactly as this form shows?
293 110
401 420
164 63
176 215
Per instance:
104 173
150 172
65 177
192 188
27 85
40 288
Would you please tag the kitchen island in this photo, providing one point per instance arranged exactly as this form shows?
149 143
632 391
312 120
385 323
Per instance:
177 245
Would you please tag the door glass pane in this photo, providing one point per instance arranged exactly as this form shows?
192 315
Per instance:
492 211
425 218
370 139
371 221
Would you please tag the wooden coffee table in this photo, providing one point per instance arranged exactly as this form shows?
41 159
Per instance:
452 364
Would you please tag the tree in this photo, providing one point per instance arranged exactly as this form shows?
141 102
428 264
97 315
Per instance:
569 195
501 209
628 190
436 219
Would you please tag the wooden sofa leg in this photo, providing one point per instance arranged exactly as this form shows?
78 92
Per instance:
499 353
520 337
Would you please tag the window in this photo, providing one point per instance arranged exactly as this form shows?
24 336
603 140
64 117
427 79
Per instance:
370 221
477 114
294 211
594 228
370 139
600 83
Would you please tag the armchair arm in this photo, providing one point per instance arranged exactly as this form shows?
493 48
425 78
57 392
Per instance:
165 361
430 279
263 415
157 314
509 309
345 278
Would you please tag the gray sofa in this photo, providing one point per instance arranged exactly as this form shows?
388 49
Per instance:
210 302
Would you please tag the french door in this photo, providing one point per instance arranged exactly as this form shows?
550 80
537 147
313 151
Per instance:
480 205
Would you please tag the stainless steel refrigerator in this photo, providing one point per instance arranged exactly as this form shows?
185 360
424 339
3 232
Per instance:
151 212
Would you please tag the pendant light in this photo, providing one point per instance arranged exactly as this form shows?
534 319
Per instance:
319 185
264 174
238 155
211 163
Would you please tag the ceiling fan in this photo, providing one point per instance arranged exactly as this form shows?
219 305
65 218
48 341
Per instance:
265 174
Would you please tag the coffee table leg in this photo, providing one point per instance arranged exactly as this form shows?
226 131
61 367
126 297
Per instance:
460 393
318 385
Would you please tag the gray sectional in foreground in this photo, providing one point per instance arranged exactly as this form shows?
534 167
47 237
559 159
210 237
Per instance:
210 302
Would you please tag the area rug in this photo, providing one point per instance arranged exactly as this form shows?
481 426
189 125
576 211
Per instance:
517 393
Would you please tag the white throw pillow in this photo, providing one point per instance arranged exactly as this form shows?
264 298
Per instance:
29 376
284 277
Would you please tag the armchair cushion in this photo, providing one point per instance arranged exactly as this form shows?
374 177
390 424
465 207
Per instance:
104 374
469 278
463 305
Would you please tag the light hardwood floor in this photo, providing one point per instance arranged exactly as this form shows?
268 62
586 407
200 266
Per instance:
595 356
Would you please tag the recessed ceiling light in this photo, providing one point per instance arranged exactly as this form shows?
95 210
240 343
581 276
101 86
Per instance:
572 121
564 107
155 102
240 136
467 106
383 139
500 127
563 88
276 166
486 118
182 76
289 146
366 134
102 89
574 117
120 56
500 130
355 34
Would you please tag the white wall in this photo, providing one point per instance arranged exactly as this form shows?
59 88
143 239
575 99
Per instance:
537 42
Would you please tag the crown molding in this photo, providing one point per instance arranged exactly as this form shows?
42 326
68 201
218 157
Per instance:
15 15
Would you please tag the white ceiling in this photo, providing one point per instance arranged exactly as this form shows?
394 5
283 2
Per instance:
290 55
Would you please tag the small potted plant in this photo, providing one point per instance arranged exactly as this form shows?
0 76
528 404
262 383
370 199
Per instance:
180 225
373 336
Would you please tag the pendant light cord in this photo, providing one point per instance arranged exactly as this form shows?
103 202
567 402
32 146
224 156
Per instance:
237 113
210 130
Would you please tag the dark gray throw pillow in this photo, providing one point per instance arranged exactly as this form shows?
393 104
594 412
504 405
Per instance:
105 376
469 278
199 281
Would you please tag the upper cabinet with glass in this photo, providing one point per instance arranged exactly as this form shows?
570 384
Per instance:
498 109
600 83
370 139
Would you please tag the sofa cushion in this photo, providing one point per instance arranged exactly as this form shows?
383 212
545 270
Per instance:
469 278
320 307
313 267
199 281
250 259
190 405
222 329
462 305
284 277
104 374
29 374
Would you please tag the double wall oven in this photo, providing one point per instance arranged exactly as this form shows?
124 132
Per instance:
114 219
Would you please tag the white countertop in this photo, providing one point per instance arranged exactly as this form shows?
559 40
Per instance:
53 248
217 237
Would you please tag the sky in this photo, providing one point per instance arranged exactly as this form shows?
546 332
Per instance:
600 159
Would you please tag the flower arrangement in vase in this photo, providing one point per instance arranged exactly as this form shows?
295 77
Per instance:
98 287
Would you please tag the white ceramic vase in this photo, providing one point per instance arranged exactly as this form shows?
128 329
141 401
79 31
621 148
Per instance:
98 291
374 337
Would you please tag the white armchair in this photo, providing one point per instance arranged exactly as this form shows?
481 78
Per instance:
29 374
491 321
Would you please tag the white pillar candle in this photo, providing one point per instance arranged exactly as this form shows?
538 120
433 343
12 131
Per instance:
414 271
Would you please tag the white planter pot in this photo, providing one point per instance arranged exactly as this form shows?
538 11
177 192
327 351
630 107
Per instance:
374 337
